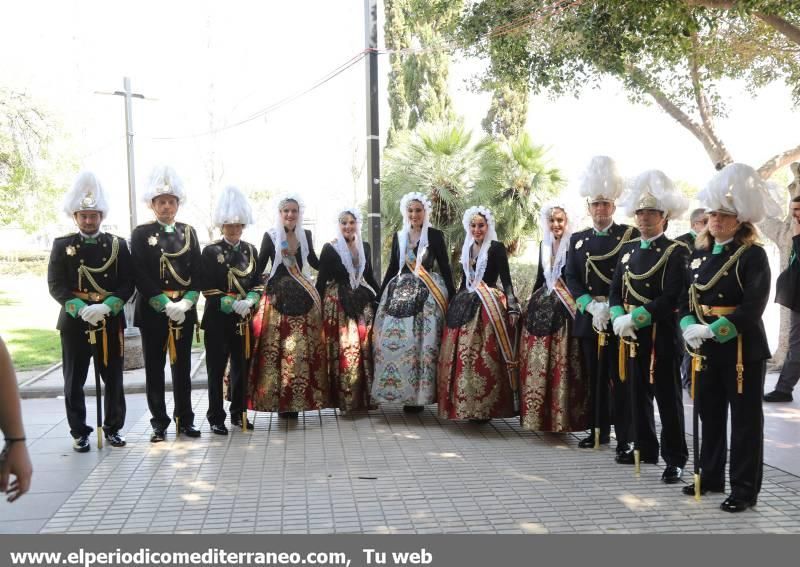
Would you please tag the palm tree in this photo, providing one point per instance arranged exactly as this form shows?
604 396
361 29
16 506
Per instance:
441 161
518 188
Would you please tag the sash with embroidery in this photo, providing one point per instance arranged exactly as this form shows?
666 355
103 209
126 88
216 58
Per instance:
434 290
498 321
298 276
563 294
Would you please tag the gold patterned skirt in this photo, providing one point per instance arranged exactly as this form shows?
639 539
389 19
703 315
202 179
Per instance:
349 346
473 378
288 369
554 395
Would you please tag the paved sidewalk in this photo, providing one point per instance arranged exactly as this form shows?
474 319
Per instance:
382 472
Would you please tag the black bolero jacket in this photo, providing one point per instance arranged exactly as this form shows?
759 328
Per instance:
437 251
267 253
332 269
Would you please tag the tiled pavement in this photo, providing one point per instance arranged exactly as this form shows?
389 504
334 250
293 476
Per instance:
382 472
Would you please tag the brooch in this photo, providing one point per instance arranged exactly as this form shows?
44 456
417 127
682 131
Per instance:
153 240
696 263
220 258
626 257
578 244
70 250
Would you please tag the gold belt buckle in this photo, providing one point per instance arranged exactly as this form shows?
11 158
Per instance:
94 296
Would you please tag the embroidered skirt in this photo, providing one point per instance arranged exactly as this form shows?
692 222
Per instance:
407 330
554 395
288 369
349 348
474 381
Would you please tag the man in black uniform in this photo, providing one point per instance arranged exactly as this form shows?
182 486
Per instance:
649 278
90 275
721 317
697 224
232 287
591 261
166 260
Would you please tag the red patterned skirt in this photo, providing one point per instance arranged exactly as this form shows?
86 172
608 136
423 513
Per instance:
348 340
553 393
473 379
288 369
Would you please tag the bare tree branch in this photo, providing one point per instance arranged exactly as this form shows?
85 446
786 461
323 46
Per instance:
778 161
716 151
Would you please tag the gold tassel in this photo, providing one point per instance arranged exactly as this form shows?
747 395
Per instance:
173 334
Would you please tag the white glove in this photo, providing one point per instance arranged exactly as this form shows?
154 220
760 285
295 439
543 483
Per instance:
93 314
624 327
694 335
184 305
174 312
242 307
600 314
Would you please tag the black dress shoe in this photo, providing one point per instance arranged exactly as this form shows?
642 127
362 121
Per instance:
776 396
413 409
627 458
219 429
158 436
115 439
284 415
81 444
190 431
588 442
238 424
733 504
671 474
688 490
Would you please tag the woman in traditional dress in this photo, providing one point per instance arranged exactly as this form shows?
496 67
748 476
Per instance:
553 391
288 373
408 324
348 290
476 359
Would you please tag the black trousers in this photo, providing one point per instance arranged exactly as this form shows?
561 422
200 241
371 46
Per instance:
154 339
222 343
666 389
609 389
76 353
716 390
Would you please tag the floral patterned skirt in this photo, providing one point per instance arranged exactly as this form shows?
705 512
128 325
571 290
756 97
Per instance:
288 369
474 381
554 395
407 330
349 352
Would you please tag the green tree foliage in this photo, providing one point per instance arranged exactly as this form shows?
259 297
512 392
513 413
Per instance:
443 161
525 183
28 192
418 75
508 110
672 52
